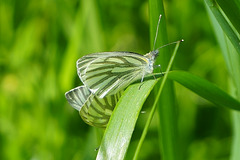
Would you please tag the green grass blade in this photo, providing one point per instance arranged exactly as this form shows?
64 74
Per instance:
232 11
155 103
155 9
232 59
122 122
205 89
224 24
166 104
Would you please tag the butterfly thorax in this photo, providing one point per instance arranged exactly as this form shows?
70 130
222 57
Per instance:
151 56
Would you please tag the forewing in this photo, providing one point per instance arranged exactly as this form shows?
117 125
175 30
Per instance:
78 96
109 72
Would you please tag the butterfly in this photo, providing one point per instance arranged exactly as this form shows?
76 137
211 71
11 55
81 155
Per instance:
107 73
93 110
104 76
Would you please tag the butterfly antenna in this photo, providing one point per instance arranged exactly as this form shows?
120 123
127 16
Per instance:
170 44
160 16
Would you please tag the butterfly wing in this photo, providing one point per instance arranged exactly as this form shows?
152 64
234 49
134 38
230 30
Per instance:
107 73
77 97
97 111
93 110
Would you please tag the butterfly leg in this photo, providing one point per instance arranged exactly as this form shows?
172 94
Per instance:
96 149
160 67
142 81
142 78
140 86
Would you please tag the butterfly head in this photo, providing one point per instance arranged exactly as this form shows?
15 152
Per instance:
152 55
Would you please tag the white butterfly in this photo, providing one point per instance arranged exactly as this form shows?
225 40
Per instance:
107 73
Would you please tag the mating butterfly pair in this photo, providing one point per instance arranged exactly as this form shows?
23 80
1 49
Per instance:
105 75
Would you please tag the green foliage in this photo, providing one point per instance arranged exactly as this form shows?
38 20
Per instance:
119 131
228 38
205 89
40 42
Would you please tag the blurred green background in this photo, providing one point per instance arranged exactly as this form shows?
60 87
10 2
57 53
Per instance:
40 42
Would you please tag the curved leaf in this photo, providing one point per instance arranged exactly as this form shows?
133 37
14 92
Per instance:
213 6
122 122
205 89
